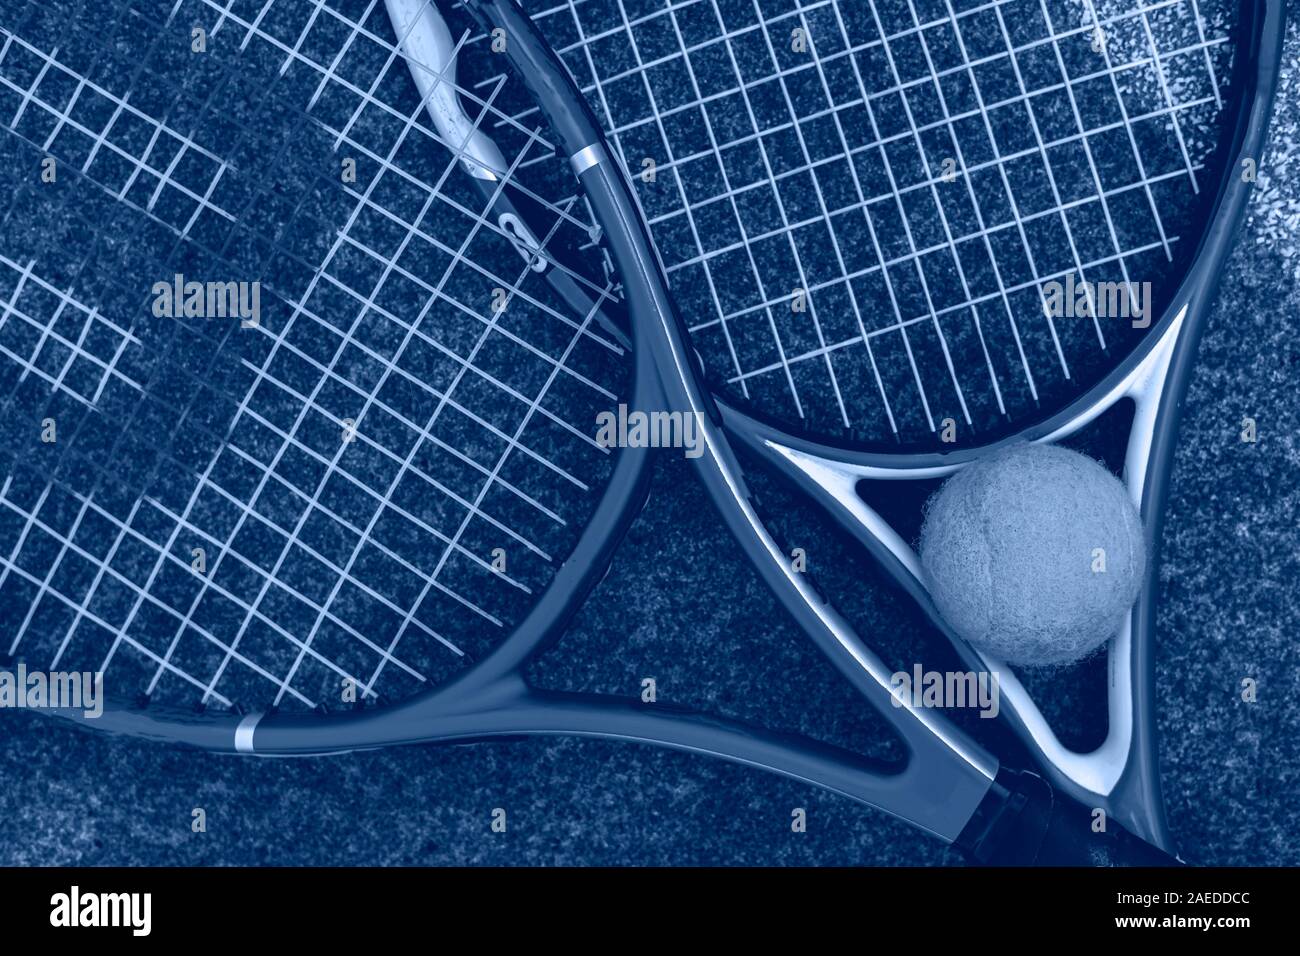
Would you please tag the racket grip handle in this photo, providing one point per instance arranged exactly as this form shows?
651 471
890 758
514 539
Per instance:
1029 823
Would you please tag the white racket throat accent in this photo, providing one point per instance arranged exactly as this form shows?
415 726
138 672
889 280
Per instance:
1099 771
430 52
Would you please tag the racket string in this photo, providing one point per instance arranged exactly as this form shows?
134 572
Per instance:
335 610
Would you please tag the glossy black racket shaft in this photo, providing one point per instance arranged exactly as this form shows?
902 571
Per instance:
1025 822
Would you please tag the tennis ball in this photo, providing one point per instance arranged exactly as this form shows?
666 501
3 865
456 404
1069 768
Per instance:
1033 554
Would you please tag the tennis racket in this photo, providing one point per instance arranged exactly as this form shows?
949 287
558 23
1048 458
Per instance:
382 479
718 98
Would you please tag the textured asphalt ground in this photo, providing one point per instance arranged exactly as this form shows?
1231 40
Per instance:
678 596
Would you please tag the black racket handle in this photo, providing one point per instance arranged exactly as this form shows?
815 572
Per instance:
1024 821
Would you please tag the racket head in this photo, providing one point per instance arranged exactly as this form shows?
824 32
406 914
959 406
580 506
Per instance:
381 477
777 196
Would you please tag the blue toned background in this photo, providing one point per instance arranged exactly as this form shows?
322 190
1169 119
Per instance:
682 607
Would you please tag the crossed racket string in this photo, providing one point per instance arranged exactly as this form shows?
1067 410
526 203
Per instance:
746 329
